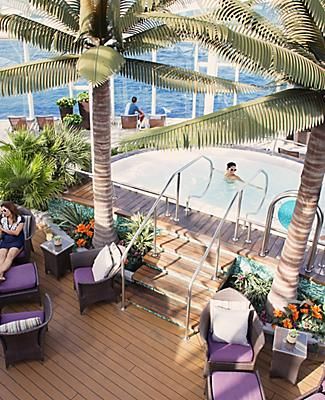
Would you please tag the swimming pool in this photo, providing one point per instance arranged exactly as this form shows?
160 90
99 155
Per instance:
151 170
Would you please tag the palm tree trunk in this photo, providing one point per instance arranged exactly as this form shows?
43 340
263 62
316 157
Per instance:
284 287
101 152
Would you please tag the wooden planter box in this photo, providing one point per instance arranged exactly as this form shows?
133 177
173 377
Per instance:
65 111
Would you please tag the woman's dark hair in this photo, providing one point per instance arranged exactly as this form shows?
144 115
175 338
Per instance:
12 208
231 164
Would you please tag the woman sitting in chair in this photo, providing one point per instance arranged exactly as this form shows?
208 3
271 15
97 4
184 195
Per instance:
12 242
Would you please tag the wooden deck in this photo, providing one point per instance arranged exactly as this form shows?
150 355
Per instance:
200 225
109 354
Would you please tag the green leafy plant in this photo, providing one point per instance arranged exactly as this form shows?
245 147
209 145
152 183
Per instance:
66 102
28 181
83 96
253 287
143 242
72 120
70 215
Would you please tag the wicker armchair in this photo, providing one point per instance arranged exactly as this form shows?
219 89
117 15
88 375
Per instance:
90 292
29 229
17 123
27 344
44 120
129 121
224 356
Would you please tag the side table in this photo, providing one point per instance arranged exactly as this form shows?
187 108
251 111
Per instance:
286 357
57 258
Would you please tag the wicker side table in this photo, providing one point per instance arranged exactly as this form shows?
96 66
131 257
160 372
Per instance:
57 258
286 357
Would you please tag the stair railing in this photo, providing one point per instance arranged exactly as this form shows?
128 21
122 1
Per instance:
153 212
216 237
268 223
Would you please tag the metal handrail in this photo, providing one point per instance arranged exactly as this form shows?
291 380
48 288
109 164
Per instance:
199 196
247 221
268 222
216 235
153 211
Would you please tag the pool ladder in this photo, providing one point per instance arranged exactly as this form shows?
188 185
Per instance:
320 220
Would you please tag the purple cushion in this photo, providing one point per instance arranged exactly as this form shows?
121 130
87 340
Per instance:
19 277
83 275
21 254
235 385
225 352
4 318
316 396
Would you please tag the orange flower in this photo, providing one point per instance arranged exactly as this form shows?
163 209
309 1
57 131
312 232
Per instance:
317 312
295 315
304 310
81 242
292 307
80 228
287 323
92 223
90 234
278 313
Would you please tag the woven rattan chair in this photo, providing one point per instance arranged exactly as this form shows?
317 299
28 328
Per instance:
157 120
129 121
225 356
17 123
90 292
27 344
29 229
44 120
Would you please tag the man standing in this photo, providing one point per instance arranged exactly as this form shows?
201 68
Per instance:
132 108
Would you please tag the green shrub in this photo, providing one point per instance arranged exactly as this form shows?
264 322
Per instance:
72 120
83 96
66 102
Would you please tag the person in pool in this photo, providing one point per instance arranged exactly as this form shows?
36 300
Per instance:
230 174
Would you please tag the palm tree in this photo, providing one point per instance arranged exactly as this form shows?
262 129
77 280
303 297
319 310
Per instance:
291 51
94 39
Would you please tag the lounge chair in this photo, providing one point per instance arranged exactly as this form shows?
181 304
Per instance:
90 292
44 120
157 120
27 344
17 123
129 121
225 356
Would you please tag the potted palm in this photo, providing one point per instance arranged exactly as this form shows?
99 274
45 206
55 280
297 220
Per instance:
66 106
83 104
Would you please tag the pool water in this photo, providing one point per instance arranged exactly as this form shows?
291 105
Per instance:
151 170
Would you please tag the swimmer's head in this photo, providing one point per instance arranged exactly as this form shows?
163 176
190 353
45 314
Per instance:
231 168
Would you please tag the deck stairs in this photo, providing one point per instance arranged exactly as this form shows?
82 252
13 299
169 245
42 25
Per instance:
160 285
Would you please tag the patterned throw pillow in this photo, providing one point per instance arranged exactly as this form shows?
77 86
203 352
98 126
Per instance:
20 325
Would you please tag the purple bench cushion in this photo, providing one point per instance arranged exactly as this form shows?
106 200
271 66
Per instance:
316 396
225 352
21 254
9 317
83 275
235 385
19 277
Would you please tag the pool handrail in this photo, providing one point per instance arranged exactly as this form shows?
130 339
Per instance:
153 212
216 236
320 220
247 222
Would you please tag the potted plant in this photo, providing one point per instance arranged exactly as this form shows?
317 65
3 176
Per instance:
73 121
57 240
292 336
66 105
83 104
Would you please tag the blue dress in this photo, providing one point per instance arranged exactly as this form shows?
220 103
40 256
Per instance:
9 241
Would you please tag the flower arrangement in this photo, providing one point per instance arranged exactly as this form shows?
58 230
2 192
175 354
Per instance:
306 316
66 102
83 96
83 234
72 120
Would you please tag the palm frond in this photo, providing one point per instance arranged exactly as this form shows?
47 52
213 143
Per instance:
60 10
254 55
130 18
74 5
270 116
115 18
299 25
242 18
38 75
99 63
317 11
181 79
40 35
87 19
17 5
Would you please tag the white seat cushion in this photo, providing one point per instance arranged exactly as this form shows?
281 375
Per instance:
230 326
215 305
20 325
102 264
116 252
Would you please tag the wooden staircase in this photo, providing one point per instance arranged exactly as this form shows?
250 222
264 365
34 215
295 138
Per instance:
160 285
